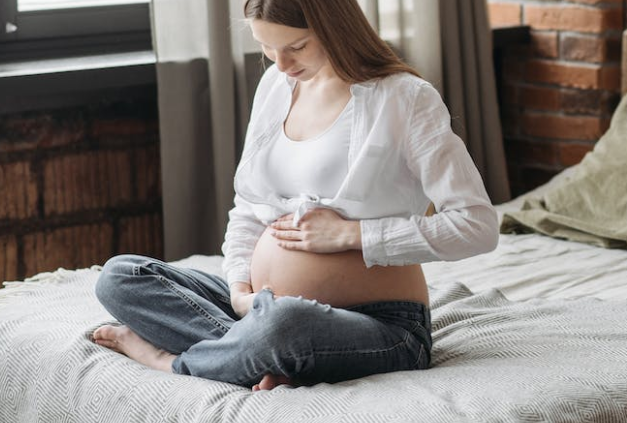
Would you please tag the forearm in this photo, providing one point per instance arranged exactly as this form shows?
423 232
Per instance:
242 233
242 297
448 236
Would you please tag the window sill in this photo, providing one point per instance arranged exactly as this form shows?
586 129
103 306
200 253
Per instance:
55 83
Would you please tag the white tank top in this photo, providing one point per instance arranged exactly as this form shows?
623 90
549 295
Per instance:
316 166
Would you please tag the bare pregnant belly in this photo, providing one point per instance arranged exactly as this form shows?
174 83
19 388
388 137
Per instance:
339 279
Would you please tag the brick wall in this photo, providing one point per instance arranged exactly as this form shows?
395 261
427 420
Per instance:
78 186
559 91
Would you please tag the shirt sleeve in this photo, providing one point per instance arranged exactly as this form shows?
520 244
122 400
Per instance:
244 229
465 223
242 233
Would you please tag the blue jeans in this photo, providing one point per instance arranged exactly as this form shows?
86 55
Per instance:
188 312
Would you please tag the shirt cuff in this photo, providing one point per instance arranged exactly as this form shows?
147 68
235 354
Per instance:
371 241
238 275
394 242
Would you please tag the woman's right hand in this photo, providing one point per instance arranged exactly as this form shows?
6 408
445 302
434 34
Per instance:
242 297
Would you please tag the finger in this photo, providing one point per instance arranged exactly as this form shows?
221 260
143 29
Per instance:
289 217
283 225
291 245
288 235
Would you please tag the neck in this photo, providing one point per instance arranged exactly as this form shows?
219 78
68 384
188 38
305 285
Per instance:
324 82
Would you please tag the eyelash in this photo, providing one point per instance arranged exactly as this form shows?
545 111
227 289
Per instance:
292 49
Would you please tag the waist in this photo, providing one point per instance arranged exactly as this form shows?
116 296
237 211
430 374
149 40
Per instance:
339 279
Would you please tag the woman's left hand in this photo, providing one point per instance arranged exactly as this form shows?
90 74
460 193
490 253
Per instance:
320 230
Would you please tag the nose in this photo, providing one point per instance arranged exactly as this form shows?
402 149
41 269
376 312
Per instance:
283 61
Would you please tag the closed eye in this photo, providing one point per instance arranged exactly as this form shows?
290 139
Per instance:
298 48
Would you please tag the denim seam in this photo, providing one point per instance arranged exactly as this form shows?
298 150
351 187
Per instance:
224 298
188 300
363 352
136 268
422 349
192 303
415 308
190 274
331 352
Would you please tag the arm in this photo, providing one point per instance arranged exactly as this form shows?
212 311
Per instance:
242 233
244 229
465 224
242 297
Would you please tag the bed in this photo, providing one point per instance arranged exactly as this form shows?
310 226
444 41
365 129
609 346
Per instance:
535 331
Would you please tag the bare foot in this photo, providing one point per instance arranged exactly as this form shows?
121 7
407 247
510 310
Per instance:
272 381
127 342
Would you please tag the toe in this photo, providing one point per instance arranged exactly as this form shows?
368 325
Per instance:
268 382
97 334
105 332
112 345
271 381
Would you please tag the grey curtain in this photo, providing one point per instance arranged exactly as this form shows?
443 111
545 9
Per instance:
205 86
624 63
470 89
199 64
450 43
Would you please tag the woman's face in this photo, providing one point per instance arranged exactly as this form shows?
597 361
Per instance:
296 51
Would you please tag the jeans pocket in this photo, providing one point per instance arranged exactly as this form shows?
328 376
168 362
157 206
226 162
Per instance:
420 351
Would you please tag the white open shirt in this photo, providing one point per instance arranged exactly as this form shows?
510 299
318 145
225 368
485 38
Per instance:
402 155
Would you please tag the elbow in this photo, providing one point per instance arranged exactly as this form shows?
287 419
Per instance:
480 234
490 240
463 233
487 235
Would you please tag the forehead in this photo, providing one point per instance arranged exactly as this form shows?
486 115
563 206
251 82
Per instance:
276 35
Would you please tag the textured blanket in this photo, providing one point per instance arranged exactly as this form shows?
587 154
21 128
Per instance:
591 205
494 361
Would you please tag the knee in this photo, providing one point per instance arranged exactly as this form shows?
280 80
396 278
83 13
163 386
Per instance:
285 317
114 278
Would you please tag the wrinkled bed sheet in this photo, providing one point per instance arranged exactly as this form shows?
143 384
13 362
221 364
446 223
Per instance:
537 266
494 361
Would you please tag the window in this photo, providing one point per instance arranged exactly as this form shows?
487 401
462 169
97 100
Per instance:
33 29
30 5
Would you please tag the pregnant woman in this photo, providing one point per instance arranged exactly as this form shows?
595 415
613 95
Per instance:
346 148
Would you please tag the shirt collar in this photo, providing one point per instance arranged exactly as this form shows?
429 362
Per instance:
355 88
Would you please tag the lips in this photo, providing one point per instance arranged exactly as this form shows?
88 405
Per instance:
295 74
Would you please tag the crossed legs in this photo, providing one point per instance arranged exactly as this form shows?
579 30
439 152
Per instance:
181 321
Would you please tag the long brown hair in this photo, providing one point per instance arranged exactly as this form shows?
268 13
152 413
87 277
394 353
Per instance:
355 50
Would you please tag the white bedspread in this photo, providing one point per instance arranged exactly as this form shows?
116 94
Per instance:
536 266
494 361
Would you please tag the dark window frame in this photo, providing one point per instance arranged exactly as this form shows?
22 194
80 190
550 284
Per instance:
73 31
